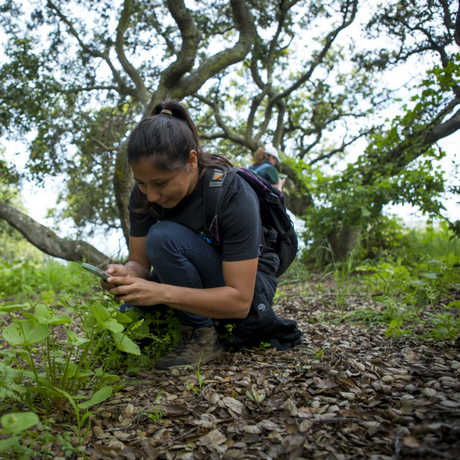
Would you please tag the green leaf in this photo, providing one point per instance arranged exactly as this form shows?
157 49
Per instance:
75 339
16 422
25 332
431 276
11 308
105 320
45 315
9 443
85 417
124 343
123 318
98 397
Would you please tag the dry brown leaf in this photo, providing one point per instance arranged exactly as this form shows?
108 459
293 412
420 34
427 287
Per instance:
207 421
290 407
130 410
212 439
372 427
410 441
98 431
268 425
233 404
252 429
115 444
305 425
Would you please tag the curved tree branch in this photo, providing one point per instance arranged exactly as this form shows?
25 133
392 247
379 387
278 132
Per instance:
123 88
266 87
171 77
214 64
190 40
410 149
444 129
47 241
457 26
348 17
141 91
227 132
340 149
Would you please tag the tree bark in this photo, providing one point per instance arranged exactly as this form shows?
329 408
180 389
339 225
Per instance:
123 183
50 243
297 196
343 241
457 26
179 79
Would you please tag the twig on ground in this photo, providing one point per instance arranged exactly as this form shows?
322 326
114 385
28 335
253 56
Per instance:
334 420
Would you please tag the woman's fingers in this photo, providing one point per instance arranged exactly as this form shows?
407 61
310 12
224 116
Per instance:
117 270
123 286
136 291
121 280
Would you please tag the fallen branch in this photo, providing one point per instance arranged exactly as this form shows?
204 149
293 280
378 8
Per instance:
47 241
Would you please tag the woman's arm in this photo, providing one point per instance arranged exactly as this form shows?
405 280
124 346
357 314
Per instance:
230 301
138 263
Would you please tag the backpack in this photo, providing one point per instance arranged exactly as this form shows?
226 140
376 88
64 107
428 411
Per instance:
279 232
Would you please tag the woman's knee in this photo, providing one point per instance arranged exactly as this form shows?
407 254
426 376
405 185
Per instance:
173 249
162 238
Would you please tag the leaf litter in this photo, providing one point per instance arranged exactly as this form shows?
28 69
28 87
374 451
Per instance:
347 392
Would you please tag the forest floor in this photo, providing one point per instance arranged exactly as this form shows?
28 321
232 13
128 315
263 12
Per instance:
348 391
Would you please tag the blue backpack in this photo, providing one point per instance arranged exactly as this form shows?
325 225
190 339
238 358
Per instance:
279 232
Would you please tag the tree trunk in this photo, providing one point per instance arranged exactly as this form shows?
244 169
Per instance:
343 241
298 197
122 184
47 241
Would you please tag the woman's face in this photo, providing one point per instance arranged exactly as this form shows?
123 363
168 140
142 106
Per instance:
165 188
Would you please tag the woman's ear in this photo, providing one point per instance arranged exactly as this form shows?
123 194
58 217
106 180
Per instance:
192 162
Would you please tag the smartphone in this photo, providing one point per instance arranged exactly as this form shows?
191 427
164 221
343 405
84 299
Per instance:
95 271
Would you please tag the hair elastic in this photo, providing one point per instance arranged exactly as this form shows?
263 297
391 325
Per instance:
166 111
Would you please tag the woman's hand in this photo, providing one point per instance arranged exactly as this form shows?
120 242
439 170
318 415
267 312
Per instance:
135 291
114 270
281 183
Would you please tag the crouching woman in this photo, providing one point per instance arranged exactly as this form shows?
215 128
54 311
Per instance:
173 258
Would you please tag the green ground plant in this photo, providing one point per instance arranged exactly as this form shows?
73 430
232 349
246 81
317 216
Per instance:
200 380
62 347
22 441
13 426
413 283
51 365
45 278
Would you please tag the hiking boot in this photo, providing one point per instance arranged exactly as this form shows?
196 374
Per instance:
195 346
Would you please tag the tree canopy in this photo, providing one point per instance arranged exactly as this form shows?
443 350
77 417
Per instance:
311 77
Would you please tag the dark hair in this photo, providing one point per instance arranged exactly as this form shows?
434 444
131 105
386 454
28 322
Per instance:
260 156
169 135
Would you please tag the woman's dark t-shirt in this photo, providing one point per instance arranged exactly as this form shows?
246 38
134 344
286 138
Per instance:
239 220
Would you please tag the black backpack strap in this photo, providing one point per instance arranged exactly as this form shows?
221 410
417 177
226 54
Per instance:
213 194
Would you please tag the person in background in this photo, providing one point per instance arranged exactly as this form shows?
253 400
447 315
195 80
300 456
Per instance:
266 164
